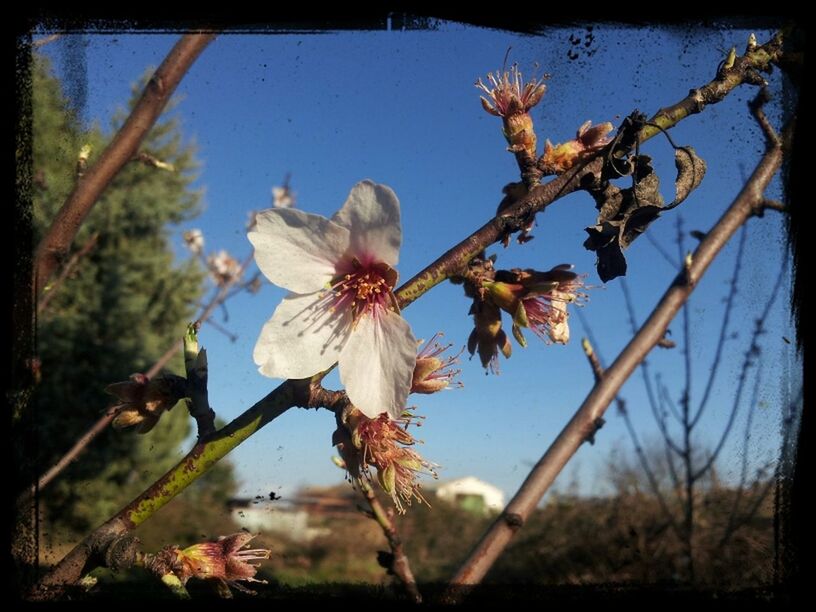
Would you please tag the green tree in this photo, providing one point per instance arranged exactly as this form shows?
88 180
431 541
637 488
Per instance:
124 304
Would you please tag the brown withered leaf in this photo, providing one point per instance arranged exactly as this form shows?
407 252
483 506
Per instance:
690 172
623 215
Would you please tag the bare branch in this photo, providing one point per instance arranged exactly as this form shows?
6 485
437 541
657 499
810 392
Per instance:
746 437
54 246
232 337
729 307
66 271
756 105
398 564
221 294
598 371
663 252
774 205
750 354
687 457
655 403
665 398
149 160
596 403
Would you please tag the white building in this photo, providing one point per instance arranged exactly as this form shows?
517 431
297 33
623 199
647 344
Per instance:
472 494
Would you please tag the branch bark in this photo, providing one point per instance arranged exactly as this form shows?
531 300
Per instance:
54 246
583 422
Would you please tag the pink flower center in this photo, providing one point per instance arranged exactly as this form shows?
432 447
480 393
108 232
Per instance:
542 315
366 289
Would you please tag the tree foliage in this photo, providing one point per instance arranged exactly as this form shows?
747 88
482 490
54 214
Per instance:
121 307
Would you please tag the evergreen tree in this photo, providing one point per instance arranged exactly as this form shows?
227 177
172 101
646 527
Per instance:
121 308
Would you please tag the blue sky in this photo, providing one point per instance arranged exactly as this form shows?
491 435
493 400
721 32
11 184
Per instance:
400 108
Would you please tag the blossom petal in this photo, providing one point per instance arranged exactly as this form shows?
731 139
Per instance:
297 250
377 364
372 215
303 337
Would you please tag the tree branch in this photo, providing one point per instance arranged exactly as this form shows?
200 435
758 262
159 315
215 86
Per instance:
398 564
654 398
729 306
54 246
66 271
598 371
222 294
200 459
752 351
745 69
573 435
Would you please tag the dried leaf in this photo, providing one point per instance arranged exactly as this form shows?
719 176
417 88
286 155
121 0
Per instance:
609 202
690 172
624 214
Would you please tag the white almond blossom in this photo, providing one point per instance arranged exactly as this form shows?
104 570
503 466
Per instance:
341 307
194 240
224 268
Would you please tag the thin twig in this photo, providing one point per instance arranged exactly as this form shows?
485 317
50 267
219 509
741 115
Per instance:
232 337
107 418
774 205
752 351
54 246
685 421
654 398
598 370
746 438
787 430
399 564
663 252
757 109
665 398
575 433
729 307
45 298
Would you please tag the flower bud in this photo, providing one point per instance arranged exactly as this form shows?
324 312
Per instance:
536 300
142 401
432 374
222 560
381 443
511 100
487 336
560 158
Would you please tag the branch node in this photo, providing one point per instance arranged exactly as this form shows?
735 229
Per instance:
121 552
513 520
596 425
